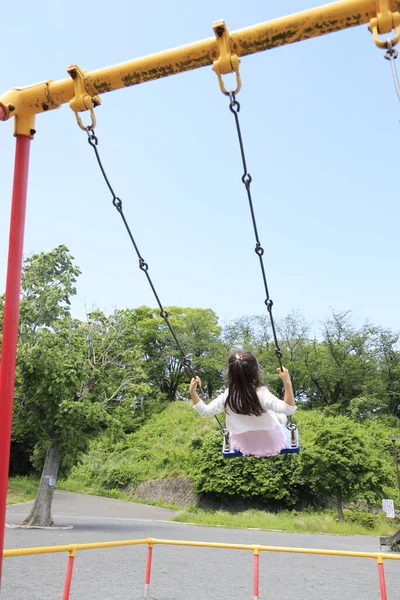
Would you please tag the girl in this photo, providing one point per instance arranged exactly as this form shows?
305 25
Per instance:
255 418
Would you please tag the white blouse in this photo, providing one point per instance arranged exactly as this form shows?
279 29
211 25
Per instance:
240 423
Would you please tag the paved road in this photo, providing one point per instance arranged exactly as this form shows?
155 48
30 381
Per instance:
67 506
179 573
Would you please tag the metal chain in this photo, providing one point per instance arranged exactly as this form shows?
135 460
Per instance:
391 54
143 265
234 107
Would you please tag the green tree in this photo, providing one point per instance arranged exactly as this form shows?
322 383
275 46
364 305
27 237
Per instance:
199 335
48 282
74 379
255 334
387 357
341 366
251 332
337 461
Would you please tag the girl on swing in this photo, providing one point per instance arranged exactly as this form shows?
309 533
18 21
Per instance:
255 418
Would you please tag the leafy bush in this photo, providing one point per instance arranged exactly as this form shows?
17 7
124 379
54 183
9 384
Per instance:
119 475
267 480
365 519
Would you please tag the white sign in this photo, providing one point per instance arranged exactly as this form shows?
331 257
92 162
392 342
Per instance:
388 508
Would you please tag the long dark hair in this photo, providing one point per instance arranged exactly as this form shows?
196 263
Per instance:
243 380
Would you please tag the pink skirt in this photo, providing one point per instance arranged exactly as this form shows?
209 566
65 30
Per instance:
260 442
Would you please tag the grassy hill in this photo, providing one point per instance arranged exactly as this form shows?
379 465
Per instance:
165 446
176 442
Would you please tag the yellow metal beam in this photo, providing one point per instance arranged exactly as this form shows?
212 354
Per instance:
25 103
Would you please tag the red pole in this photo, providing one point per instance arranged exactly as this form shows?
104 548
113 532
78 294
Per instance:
11 317
256 573
148 570
68 576
381 574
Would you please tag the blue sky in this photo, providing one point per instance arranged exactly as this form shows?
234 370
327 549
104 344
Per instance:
320 121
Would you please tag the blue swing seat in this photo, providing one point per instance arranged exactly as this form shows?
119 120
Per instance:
290 448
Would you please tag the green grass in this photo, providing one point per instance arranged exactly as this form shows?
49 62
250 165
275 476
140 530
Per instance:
161 448
21 489
308 522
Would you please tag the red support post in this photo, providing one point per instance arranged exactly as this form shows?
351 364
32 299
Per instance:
68 575
11 318
148 570
256 573
381 574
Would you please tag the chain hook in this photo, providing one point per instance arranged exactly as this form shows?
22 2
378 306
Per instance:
234 105
92 139
385 22
227 62
82 99
391 54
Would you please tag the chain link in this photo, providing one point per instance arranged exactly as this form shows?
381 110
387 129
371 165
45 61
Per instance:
117 202
234 107
391 54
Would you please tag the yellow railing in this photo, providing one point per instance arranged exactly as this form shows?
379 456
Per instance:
72 549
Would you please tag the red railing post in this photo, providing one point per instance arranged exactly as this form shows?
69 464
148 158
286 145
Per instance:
148 569
256 572
68 576
381 574
11 318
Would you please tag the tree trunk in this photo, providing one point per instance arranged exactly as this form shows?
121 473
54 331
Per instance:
340 506
40 514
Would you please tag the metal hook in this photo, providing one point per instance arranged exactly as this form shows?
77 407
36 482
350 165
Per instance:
227 62
385 22
82 100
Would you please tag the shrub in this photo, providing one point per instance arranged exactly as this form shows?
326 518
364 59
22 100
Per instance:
267 480
365 519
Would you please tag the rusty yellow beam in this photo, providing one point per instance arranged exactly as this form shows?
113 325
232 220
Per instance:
25 103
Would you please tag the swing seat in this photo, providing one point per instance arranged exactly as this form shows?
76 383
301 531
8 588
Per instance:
289 448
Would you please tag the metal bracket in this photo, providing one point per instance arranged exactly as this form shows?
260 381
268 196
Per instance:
82 100
227 61
24 103
385 22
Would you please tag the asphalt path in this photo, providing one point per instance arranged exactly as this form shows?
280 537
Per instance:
179 573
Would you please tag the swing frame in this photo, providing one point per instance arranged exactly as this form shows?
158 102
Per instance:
82 90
